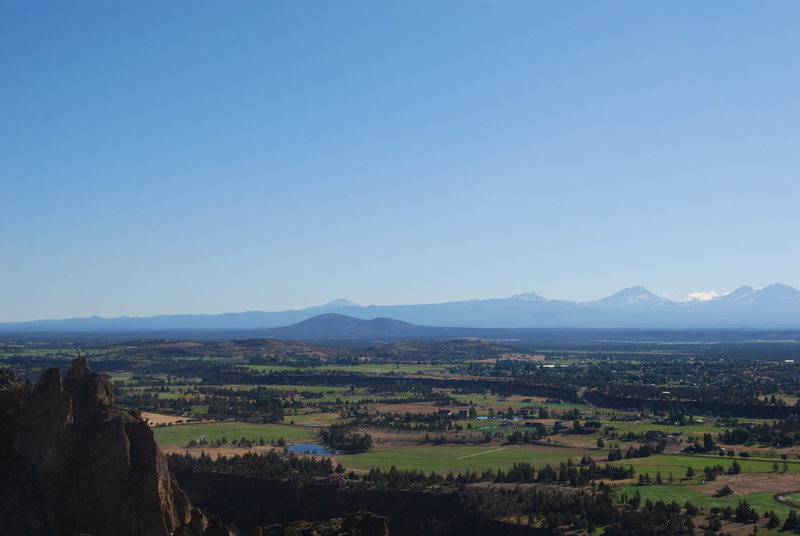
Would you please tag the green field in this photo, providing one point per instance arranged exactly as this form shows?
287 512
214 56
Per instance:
677 465
172 395
388 368
492 401
180 435
356 398
364 368
457 459
278 368
486 425
121 376
762 502
640 428
329 394
307 388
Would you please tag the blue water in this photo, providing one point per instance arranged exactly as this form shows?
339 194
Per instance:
307 448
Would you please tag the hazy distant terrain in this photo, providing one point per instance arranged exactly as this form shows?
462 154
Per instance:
774 307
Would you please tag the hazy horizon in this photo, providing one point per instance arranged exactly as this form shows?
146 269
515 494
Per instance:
692 297
198 158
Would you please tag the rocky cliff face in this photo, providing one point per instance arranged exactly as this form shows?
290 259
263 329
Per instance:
258 503
72 463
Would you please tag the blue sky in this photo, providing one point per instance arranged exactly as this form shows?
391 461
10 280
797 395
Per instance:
165 157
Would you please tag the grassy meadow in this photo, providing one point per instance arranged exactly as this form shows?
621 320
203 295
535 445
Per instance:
180 435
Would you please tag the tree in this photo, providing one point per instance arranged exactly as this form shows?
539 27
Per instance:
792 521
735 468
690 472
773 520
724 491
744 512
709 473
708 443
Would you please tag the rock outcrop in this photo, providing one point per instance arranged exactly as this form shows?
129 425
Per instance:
360 524
72 463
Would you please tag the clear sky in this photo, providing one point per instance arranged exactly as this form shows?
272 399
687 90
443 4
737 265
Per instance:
195 156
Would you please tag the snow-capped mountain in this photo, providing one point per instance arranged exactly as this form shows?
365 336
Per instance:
776 306
636 296
527 296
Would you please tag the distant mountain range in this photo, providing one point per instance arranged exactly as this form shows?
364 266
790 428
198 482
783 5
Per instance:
776 306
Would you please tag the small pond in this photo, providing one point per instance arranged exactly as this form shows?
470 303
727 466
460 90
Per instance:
307 448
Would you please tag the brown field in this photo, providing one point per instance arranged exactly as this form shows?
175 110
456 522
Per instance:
577 441
417 407
383 440
744 484
546 422
215 452
733 528
156 419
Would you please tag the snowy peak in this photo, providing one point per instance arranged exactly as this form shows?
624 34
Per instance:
340 303
776 306
702 296
740 295
632 296
527 296
776 295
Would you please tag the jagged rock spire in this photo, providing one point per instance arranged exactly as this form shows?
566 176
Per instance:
75 464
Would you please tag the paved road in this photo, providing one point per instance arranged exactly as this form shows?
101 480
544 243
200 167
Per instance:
781 498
